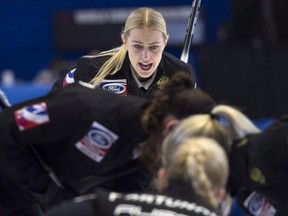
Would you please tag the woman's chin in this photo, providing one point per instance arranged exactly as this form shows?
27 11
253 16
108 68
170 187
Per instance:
144 73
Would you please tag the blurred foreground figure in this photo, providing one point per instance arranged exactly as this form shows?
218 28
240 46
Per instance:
66 144
258 160
188 183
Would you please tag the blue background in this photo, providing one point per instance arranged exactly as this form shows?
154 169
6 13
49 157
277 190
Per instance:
26 39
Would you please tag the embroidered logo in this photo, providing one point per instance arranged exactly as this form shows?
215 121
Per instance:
162 81
117 86
97 142
257 176
31 116
258 205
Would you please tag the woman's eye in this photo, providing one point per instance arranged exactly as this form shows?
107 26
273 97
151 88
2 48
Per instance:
155 47
137 46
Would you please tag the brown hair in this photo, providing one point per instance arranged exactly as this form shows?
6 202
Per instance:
178 99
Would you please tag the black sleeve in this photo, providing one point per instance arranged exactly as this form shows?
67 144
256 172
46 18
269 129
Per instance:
16 199
57 85
49 118
84 71
42 121
72 208
93 204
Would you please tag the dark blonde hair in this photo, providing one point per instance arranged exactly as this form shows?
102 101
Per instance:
145 17
224 123
140 18
200 161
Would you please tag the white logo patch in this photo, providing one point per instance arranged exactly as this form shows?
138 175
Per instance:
97 142
258 205
118 86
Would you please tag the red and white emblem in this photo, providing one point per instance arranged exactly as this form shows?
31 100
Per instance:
31 116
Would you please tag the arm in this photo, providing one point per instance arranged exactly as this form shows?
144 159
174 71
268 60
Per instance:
63 81
84 71
72 208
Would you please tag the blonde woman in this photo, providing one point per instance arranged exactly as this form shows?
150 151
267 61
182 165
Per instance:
139 66
257 159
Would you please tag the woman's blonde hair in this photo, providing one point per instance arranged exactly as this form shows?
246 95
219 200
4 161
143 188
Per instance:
142 17
201 162
224 124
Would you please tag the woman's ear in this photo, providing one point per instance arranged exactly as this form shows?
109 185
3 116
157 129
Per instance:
220 194
169 124
166 40
161 181
123 39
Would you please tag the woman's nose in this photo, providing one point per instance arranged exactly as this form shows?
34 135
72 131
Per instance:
145 54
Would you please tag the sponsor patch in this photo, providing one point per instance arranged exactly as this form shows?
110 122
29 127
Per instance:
69 78
258 205
118 86
31 116
257 176
97 142
162 81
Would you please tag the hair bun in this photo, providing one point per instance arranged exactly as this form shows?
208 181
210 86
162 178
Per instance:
181 81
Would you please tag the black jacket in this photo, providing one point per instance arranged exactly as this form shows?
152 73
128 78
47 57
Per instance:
259 170
122 82
178 199
88 137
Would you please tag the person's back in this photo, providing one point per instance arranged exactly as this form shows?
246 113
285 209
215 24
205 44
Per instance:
264 161
186 186
44 137
106 203
88 137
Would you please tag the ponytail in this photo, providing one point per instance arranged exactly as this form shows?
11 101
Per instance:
112 65
239 123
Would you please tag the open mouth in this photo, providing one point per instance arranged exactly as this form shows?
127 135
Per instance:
145 67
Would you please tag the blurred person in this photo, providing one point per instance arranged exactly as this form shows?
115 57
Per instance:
257 159
44 77
260 185
188 183
212 125
139 66
8 78
65 144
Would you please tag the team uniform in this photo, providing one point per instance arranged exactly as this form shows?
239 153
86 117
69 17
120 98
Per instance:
123 82
176 200
259 171
82 137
